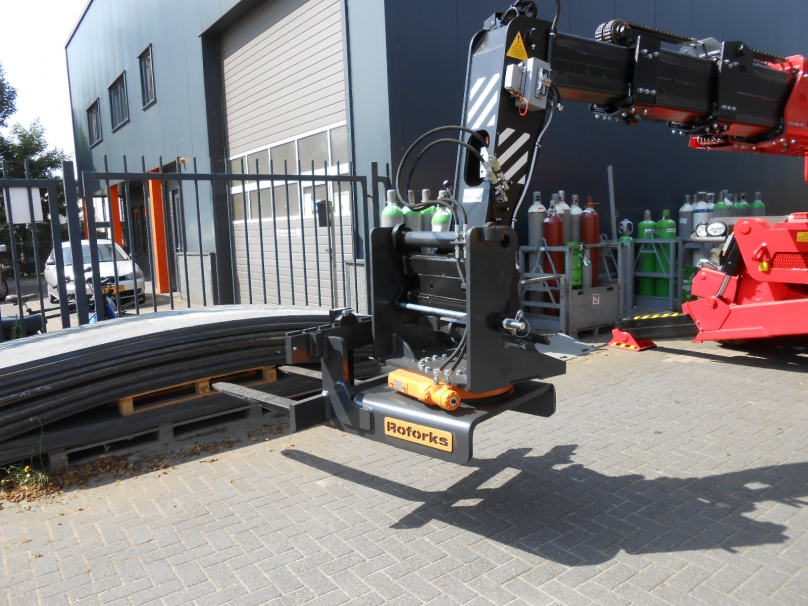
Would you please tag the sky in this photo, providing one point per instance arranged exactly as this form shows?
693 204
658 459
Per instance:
32 53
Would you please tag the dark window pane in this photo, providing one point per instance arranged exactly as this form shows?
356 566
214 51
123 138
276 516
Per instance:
147 77
118 102
287 201
313 149
266 203
320 193
94 122
238 207
339 146
284 153
236 166
263 162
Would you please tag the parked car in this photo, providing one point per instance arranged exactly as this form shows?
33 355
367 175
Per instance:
127 281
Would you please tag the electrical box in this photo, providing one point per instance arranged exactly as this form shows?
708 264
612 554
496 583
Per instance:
529 82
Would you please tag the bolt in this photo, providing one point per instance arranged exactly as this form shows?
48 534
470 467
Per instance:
782 140
653 91
645 112
644 51
793 142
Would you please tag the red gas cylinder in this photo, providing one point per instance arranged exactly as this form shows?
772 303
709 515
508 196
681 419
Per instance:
554 235
590 234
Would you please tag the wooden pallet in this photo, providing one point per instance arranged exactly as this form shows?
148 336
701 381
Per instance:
192 390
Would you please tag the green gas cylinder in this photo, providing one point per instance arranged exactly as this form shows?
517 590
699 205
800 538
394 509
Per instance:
743 208
392 214
666 230
441 220
576 264
646 230
426 214
412 219
757 208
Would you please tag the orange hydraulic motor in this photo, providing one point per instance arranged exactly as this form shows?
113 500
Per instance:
423 388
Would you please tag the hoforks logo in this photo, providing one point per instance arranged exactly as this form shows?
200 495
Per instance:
426 436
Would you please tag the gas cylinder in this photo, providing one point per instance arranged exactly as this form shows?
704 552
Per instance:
441 219
686 219
710 204
535 227
721 209
563 209
665 230
575 219
757 208
730 206
426 214
700 212
412 219
586 271
743 208
626 228
554 261
576 264
646 260
590 234
391 215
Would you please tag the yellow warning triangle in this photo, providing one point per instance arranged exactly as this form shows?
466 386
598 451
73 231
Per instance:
517 50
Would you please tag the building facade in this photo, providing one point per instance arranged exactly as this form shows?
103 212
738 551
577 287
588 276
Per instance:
329 86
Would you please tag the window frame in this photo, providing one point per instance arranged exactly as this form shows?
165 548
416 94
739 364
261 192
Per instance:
120 79
251 185
144 103
96 105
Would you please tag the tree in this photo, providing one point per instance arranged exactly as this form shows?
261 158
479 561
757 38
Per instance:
8 99
20 145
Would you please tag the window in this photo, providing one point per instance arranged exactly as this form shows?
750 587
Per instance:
147 78
339 146
313 152
284 159
94 122
118 103
326 151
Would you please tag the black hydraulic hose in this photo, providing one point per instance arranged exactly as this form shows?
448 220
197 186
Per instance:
417 141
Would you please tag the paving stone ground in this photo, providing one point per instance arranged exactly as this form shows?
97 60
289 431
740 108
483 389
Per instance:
674 476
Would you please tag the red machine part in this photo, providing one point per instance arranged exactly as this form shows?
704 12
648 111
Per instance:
624 340
794 139
768 297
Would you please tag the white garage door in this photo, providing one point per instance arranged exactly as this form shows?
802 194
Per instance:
282 72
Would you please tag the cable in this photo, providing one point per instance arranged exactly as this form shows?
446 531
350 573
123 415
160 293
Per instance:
460 271
536 148
417 141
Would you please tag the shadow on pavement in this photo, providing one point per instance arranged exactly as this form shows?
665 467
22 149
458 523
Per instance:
567 513
773 356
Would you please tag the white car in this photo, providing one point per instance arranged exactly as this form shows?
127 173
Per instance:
106 266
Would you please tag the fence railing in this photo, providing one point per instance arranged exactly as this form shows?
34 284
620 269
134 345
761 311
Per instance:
180 238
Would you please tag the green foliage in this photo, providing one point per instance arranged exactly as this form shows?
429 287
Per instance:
8 99
16 330
23 476
17 146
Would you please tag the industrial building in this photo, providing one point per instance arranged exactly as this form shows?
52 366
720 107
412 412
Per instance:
329 83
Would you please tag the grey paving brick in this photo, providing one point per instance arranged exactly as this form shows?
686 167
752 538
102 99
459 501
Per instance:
636 490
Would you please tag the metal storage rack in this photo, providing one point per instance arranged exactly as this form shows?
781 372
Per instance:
578 309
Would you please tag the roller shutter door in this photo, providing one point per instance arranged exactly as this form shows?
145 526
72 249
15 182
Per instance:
282 69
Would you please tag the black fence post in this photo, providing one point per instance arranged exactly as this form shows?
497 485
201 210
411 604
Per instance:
74 231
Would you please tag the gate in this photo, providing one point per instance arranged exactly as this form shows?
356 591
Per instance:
24 202
286 238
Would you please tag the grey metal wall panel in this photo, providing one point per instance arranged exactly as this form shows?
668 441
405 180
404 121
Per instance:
282 70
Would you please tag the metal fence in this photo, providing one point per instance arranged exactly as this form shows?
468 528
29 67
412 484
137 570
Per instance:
28 203
180 238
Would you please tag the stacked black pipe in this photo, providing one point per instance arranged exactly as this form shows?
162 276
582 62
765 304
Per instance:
64 378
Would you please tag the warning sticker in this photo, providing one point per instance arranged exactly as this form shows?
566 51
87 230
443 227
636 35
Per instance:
517 49
802 236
